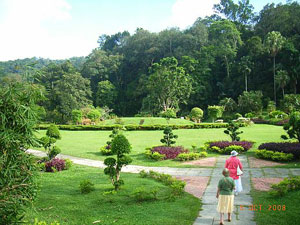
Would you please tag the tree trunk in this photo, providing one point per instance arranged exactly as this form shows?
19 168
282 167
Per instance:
282 92
274 80
227 66
246 83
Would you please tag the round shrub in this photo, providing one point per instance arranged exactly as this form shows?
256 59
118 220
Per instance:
196 114
54 152
53 132
120 145
94 115
68 164
106 150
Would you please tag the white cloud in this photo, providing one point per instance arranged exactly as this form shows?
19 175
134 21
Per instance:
25 30
185 12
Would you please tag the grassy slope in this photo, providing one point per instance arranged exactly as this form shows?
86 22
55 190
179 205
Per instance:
87 143
60 200
147 121
276 217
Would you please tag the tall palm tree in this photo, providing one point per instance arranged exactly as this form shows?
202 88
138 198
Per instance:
274 43
282 78
245 67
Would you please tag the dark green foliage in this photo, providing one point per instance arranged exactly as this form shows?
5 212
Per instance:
291 103
17 169
233 131
119 147
86 186
169 137
293 127
250 102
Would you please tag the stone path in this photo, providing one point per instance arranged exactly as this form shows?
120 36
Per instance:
209 215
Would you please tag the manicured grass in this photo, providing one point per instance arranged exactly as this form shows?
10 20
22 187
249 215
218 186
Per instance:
86 144
61 200
147 121
274 216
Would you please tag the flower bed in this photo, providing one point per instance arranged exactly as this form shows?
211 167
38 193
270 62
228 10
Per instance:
169 152
285 147
223 144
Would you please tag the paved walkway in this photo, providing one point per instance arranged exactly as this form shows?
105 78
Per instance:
209 214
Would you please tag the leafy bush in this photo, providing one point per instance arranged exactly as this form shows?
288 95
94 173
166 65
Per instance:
54 151
168 138
120 146
277 114
291 103
196 114
141 194
250 115
76 116
169 113
190 156
223 144
94 115
285 186
106 150
215 149
55 165
86 186
231 148
68 164
275 156
250 101
215 111
18 171
285 147
232 131
293 127
169 152
271 106
177 186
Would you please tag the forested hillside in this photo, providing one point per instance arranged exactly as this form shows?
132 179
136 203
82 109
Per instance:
228 58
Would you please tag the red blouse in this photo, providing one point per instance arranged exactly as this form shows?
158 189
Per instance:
231 164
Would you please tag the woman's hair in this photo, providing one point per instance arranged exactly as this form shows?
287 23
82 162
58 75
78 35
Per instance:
225 172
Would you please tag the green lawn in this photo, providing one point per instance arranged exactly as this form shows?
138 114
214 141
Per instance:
60 199
86 144
272 208
147 121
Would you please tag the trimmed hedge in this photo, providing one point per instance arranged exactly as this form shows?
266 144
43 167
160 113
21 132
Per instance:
275 156
285 147
223 144
130 127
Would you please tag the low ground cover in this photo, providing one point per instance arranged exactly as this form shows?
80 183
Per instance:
86 144
60 199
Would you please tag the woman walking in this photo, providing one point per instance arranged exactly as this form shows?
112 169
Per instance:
225 195
234 165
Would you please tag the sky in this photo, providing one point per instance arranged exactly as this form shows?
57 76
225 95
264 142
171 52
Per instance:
60 29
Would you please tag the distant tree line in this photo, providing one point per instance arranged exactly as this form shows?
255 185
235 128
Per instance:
213 62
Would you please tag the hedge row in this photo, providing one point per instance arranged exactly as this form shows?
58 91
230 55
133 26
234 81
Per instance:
273 121
138 127
285 147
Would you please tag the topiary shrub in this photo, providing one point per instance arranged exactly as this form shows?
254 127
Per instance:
169 137
215 111
120 146
106 149
86 186
232 131
231 148
48 141
196 114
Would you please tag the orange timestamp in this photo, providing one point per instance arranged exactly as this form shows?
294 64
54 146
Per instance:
260 207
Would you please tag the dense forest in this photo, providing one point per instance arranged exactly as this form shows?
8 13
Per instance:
223 59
